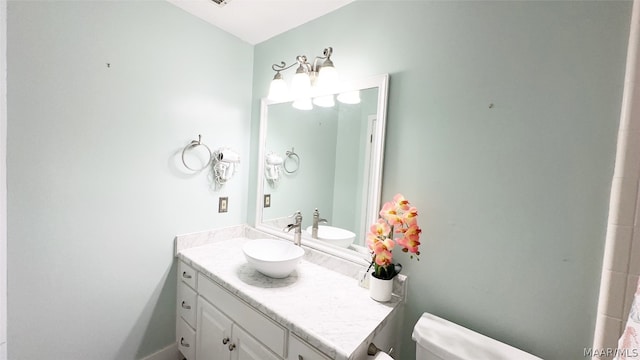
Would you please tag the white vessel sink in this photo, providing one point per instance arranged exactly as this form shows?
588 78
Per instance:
334 235
273 258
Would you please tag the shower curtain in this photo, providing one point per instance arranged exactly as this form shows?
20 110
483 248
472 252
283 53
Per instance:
629 343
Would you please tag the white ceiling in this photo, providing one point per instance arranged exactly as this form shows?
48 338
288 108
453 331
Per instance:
255 21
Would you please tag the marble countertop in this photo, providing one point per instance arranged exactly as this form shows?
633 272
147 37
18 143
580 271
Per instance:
325 308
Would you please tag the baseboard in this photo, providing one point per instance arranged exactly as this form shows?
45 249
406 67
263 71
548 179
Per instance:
169 353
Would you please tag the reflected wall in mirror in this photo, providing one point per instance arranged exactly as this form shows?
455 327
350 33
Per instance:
328 158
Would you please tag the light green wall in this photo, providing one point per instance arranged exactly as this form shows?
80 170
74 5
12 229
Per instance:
96 188
513 199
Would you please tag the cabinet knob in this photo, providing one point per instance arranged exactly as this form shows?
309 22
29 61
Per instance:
232 346
185 275
184 343
225 341
185 306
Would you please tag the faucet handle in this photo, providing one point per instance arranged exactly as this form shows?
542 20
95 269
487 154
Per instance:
297 216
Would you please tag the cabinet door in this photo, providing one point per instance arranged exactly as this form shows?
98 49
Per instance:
248 348
213 333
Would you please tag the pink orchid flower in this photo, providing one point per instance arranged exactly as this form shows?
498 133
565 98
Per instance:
401 202
396 217
410 217
388 243
379 246
390 214
384 258
413 233
411 240
381 228
371 240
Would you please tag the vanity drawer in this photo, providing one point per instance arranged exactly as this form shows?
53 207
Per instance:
187 303
300 350
263 329
186 338
187 274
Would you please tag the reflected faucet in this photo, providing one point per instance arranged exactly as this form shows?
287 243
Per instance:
316 221
297 225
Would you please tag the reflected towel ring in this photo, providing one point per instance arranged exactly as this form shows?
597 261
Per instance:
194 144
291 155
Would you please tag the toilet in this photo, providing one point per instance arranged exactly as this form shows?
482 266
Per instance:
439 339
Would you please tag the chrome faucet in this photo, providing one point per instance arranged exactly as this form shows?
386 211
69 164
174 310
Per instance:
316 221
297 225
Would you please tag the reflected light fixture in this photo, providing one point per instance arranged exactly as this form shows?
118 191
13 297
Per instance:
350 97
324 101
319 77
302 104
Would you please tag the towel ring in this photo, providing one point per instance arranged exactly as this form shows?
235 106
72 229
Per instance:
291 155
194 144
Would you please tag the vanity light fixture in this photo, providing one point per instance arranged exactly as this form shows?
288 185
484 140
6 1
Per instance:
309 79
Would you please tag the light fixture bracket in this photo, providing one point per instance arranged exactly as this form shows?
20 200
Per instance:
304 66
303 63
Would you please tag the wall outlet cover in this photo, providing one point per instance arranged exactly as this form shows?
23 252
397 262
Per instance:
267 200
223 204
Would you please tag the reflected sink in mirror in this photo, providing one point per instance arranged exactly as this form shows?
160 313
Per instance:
273 258
334 235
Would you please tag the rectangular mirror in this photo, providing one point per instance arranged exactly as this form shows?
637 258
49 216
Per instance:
327 158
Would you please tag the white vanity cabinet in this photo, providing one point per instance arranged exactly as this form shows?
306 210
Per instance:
214 324
226 310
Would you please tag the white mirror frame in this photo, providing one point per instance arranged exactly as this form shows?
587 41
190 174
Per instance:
381 82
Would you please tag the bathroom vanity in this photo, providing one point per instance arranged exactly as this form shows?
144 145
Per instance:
228 310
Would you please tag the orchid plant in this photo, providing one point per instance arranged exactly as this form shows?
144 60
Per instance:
397 225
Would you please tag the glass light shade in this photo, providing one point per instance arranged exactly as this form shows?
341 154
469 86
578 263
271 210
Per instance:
350 97
278 90
302 104
300 85
324 101
327 78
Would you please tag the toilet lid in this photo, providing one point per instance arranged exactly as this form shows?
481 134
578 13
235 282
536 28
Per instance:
453 342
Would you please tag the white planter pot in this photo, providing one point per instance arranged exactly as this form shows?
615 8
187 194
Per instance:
380 290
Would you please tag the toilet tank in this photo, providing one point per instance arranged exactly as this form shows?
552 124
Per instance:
439 339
